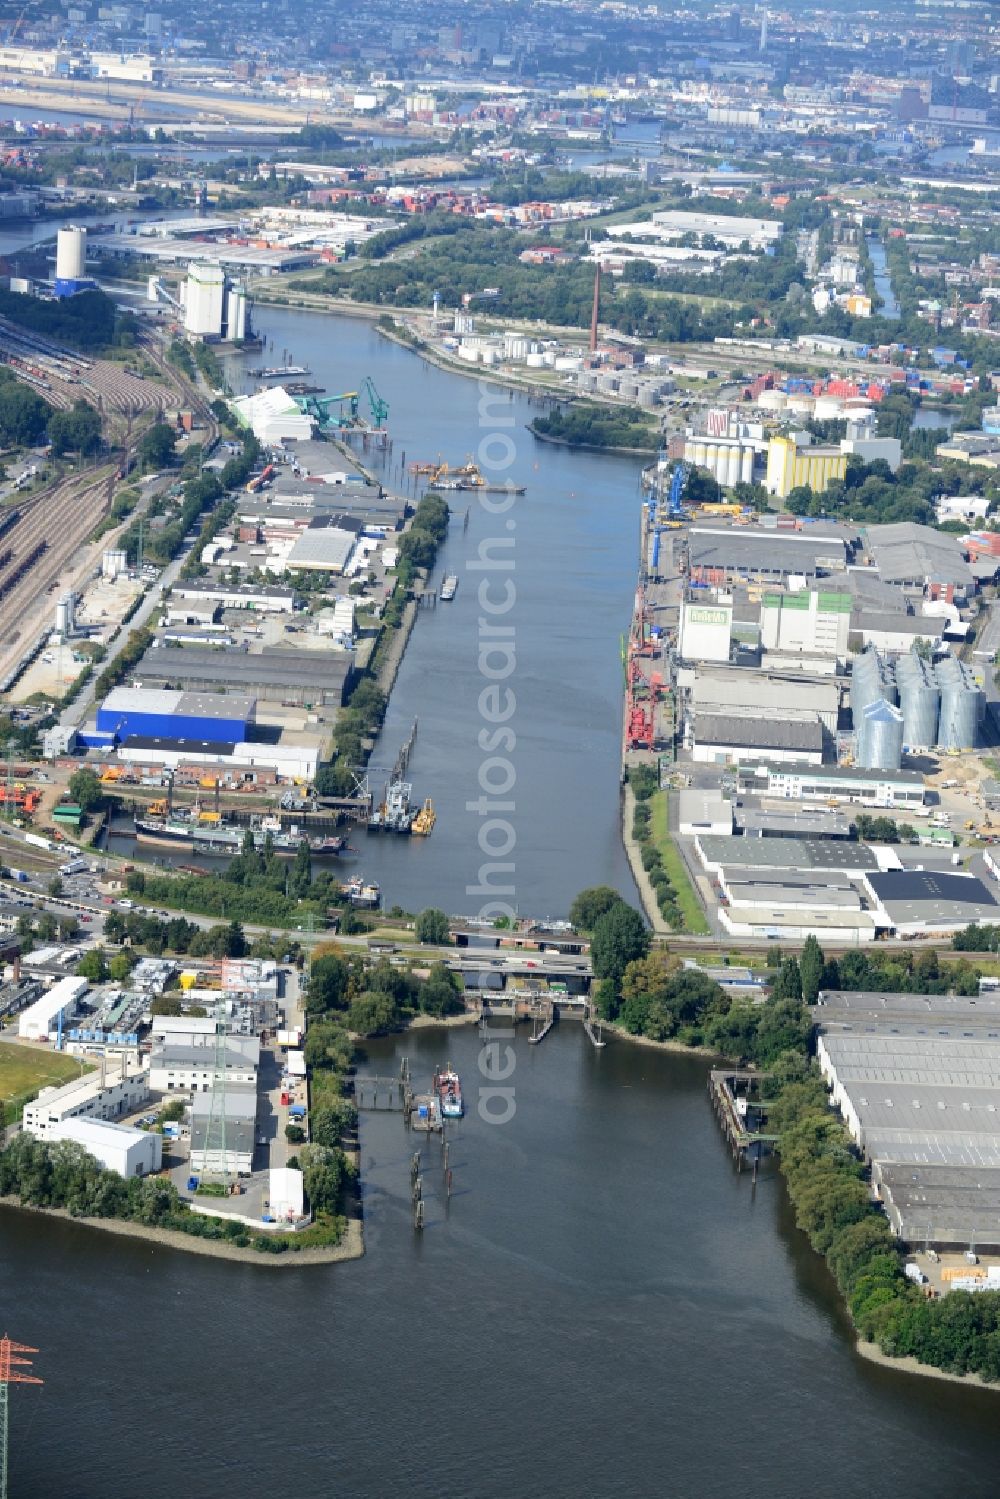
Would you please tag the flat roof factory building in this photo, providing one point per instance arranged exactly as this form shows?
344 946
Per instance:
156 713
916 1078
129 1152
285 676
41 1019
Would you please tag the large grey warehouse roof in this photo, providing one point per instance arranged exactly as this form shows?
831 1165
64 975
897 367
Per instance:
907 552
790 890
807 822
758 733
786 853
743 551
164 703
270 671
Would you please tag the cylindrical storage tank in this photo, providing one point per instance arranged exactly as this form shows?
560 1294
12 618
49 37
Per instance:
71 254
62 625
746 465
802 405
587 380
959 716
880 737
828 408
535 361
920 700
772 400
732 467
648 396
699 453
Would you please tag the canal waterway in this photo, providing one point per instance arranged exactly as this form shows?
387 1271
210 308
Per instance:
883 282
603 1308
571 540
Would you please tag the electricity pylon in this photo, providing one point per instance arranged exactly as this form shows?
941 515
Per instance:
11 1366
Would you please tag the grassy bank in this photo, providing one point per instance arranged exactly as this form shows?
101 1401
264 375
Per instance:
24 1072
685 894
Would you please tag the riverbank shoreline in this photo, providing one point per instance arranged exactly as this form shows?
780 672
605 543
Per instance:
647 894
593 447
907 1365
352 1246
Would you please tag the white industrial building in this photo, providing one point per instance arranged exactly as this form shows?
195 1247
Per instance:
129 1152
40 1021
706 629
204 298
891 790
105 1094
673 223
191 1068
795 924
286 1194
704 812
811 621
728 738
273 416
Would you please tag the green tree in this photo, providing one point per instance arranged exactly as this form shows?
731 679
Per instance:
432 926
591 904
788 981
93 966
75 431
373 1013
619 937
85 789
121 966
811 962
155 447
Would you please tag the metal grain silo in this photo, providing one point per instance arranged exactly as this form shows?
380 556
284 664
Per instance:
871 678
880 737
920 700
959 714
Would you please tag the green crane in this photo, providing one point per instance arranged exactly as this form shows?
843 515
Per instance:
379 408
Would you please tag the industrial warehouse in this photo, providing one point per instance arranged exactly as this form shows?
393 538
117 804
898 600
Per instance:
916 1078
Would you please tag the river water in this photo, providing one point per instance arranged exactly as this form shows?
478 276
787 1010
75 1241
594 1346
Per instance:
572 541
602 1309
883 282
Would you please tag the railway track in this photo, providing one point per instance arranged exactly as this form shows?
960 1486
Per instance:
47 533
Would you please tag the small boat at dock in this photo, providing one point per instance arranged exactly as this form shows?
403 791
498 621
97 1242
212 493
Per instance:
448 1087
449 587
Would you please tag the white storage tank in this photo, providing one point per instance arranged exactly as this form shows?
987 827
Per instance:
71 253
535 361
802 405
772 400
828 408
746 466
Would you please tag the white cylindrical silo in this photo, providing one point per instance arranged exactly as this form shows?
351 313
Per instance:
732 467
71 253
746 465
